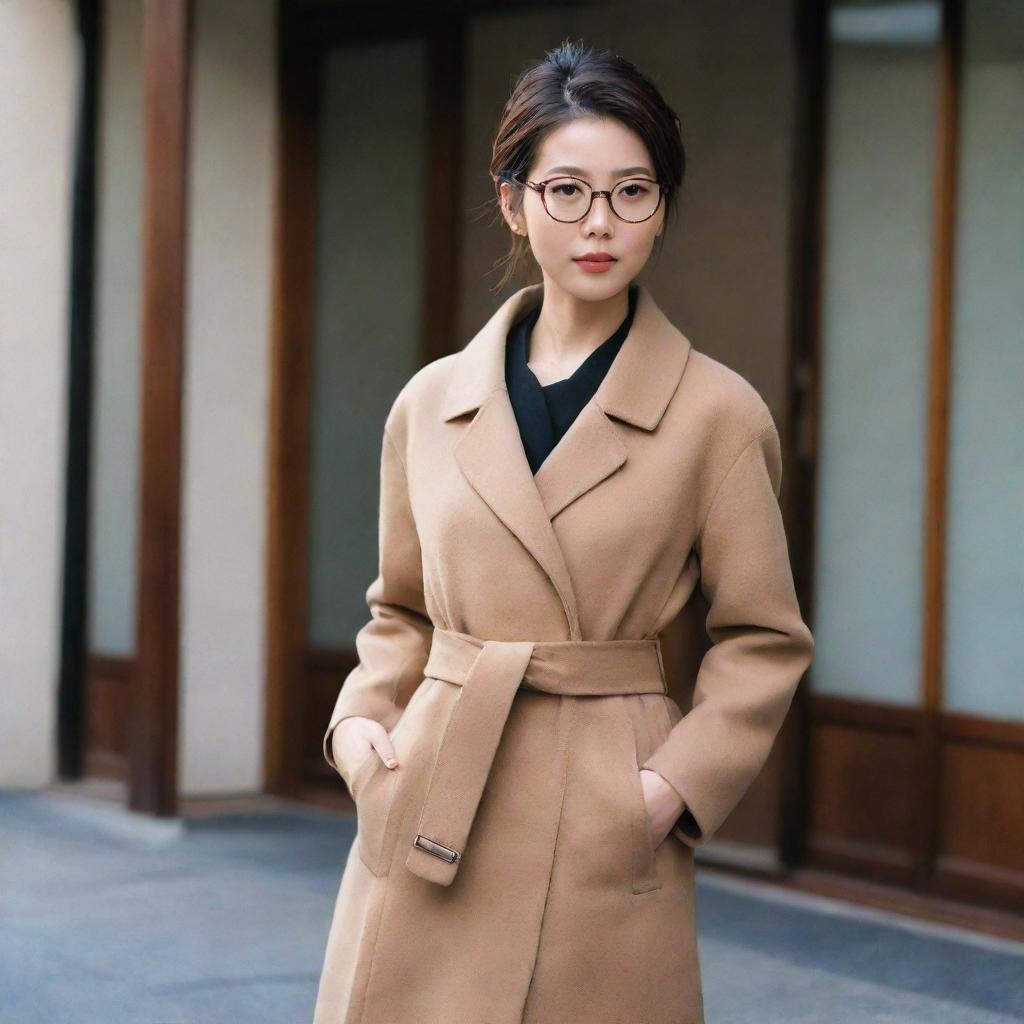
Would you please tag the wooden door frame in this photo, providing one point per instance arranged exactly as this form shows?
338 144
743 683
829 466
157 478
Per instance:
803 375
919 724
305 37
927 728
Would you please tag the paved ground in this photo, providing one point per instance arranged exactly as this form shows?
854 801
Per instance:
108 920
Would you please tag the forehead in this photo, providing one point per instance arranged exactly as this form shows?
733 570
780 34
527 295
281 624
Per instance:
594 147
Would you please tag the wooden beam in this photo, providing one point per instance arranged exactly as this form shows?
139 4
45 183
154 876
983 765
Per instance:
154 734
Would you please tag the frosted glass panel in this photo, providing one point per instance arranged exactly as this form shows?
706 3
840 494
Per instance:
984 632
877 253
114 468
369 271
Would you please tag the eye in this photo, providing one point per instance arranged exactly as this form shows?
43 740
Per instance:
633 190
565 188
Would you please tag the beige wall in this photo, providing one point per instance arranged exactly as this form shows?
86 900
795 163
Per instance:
227 376
224 498
37 67
231 165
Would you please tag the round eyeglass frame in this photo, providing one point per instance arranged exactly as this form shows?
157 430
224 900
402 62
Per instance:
541 186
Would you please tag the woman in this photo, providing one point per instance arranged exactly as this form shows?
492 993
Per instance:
529 797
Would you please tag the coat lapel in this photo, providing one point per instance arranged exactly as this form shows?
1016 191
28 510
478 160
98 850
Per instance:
636 390
589 452
492 459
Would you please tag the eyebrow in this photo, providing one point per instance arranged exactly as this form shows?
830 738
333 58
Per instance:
580 172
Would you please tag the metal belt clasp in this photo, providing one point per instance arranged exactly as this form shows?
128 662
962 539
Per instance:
446 853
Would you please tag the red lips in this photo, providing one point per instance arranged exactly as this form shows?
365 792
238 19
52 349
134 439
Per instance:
596 257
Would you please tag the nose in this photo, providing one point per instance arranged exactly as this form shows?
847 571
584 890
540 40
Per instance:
599 218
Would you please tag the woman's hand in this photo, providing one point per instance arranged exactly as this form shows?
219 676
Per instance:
354 737
664 804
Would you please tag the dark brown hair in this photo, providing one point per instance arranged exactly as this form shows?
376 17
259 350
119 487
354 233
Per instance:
574 81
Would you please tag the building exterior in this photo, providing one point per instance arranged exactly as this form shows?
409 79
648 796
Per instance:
219 223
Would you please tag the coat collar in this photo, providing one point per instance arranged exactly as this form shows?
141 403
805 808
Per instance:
636 390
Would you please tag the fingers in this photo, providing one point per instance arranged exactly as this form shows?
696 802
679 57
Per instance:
382 744
352 732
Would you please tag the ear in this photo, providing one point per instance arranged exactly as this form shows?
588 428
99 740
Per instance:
514 220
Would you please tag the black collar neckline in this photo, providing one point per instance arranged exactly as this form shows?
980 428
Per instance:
545 413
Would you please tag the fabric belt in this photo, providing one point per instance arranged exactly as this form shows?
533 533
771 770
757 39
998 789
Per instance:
490 672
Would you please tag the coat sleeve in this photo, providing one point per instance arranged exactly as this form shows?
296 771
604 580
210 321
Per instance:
760 645
394 644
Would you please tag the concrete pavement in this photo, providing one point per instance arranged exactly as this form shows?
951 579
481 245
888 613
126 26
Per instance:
106 918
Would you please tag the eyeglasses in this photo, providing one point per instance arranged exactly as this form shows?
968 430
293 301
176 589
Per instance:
568 199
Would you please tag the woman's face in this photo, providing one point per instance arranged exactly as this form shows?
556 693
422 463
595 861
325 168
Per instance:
604 152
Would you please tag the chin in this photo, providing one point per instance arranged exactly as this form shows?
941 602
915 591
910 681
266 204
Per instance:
597 286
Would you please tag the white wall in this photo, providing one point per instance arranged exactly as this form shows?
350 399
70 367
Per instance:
37 69
226 397
226 404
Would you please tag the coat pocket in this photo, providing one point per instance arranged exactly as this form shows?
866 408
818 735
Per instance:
644 868
384 796
372 788
669 714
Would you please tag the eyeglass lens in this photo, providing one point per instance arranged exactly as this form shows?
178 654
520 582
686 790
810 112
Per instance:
569 199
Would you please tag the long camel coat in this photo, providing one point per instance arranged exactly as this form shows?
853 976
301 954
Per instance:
504 873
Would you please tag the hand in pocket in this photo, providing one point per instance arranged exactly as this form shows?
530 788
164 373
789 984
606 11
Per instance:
355 737
664 804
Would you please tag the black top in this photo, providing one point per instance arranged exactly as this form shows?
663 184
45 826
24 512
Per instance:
545 413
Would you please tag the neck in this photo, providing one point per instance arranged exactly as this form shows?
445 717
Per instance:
568 328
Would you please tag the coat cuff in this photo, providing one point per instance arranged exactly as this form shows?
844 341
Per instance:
685 827
377 703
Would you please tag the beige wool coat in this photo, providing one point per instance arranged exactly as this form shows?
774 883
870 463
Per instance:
505 872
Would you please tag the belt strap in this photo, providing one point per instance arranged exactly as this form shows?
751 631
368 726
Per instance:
490 672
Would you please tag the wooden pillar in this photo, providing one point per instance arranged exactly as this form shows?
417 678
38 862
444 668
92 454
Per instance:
929 806
154 732
300 59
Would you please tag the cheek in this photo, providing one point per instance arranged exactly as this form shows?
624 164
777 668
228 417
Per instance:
643 242
547 238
